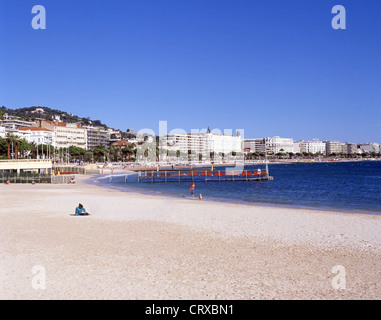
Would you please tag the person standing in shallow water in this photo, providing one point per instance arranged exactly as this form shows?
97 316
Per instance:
192 189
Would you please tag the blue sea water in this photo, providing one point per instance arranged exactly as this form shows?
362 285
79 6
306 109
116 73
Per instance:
344 186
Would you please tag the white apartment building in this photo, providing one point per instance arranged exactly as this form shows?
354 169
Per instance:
14 123
333 147
296 147
370 147
97 136
113 135
314 146
36 135
277 144
203 144
66 134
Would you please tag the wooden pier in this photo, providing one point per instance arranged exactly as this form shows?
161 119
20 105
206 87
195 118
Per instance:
201 176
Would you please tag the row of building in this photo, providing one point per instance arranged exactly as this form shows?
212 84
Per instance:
287 145
62 135
57 133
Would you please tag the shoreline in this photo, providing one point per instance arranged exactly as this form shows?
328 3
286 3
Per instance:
136 246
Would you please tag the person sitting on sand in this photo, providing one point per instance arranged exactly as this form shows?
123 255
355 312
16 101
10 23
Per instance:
81 211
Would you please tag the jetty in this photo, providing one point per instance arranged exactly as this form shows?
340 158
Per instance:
150 176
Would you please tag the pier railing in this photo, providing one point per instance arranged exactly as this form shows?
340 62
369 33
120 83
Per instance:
206 176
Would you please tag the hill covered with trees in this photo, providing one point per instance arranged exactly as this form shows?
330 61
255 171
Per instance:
46 113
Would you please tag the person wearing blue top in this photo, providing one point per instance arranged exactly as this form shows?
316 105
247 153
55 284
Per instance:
81 211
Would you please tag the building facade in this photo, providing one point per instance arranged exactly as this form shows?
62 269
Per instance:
277 144
66 134
314 146
37 135
370 147
349 148
97 136
333 147
204 144
14 123
254 145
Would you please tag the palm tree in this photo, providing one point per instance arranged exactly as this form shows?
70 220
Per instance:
25 146
11 139
3 147
127 152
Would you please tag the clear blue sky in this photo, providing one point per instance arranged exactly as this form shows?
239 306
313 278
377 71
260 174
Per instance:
268 67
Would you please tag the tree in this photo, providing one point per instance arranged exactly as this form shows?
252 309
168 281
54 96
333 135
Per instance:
99 152
127 152
212 154
77 153
25 148
11 140
3 147
146 153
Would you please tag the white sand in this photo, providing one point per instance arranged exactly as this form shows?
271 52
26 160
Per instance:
145 247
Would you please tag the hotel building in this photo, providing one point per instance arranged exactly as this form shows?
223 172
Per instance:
333 147
277 144
202 144
66 134
314 146
36 135
97 136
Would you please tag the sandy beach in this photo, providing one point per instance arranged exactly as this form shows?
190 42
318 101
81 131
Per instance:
137 246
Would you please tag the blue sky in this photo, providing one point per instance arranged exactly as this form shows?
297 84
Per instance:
268 67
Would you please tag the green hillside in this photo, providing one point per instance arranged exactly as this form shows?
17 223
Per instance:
46 113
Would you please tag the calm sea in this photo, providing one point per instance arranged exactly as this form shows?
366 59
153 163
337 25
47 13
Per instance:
344 186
